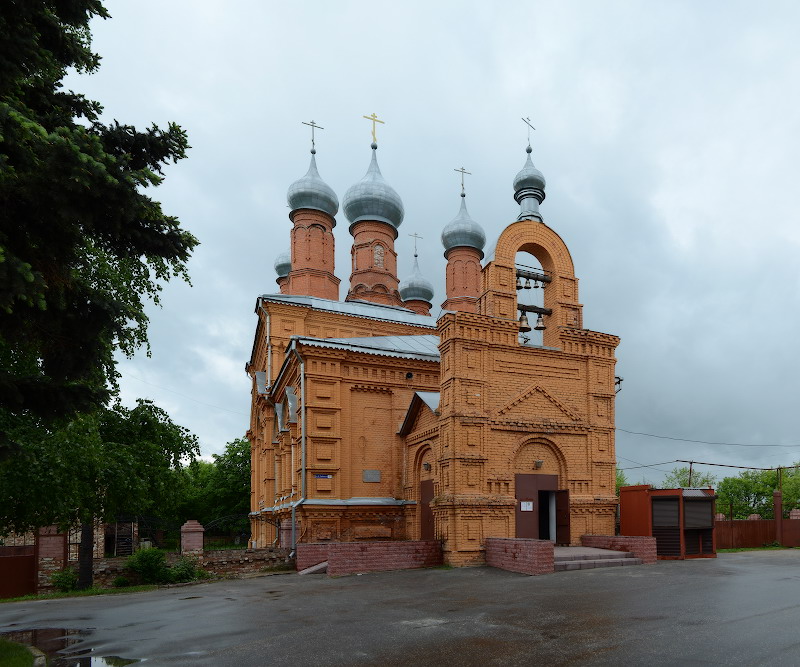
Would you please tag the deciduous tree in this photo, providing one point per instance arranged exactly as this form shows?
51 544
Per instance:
113 461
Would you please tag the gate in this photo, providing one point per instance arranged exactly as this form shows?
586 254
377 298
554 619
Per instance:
17 571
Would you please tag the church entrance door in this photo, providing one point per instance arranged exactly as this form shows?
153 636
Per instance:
426 530
541 508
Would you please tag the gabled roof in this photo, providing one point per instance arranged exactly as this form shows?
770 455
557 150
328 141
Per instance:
365 309
425 347
430 399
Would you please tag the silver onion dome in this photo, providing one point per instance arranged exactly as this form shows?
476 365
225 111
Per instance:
463 231
372 198
416 286
529 187
283 264
312 192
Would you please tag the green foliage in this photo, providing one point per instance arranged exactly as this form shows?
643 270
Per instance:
149 565
82 246
121 582
118 460
187 569
621 480
14 655
64 580
218 494
750 492
678 478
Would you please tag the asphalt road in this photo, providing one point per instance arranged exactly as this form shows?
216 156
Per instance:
739 609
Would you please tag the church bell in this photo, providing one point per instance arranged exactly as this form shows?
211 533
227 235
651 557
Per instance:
539 324
524 327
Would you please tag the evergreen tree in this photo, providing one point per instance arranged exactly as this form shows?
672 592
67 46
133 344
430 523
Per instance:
82 246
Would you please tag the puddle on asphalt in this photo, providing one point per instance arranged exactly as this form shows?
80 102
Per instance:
53 642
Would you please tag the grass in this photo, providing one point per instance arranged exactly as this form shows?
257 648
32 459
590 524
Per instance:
78 594
279 567
14 655
739 549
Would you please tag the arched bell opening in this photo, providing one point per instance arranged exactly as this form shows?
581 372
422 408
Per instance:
531 283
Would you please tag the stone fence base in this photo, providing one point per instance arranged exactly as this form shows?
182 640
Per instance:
527 556
229 562
353 557
640 546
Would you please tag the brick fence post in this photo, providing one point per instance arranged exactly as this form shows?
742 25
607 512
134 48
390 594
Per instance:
51 555
192 538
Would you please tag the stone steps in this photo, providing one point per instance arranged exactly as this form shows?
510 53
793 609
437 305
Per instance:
596 558
587 564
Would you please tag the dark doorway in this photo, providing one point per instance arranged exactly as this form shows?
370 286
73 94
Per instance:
426 525
562 517
537 511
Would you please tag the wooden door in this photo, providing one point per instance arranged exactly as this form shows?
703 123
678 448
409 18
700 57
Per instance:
526 491
562 517
426 525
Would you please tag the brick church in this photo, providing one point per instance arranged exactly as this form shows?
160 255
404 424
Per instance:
374 420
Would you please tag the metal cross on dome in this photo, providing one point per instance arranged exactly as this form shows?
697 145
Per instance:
527 122
313 127
415 237
374 118
463 171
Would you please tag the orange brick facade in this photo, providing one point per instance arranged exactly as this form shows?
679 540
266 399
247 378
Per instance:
349 444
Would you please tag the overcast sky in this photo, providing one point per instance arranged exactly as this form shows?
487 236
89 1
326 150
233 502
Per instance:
668 134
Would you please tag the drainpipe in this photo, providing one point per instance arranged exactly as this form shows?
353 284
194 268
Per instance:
269 345
302 499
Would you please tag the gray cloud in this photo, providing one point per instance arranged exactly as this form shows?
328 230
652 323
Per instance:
667 133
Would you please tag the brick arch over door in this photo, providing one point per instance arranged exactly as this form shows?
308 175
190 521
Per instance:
540 449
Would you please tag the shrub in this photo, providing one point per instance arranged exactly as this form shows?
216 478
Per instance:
150 566
186 569
120 582
64 580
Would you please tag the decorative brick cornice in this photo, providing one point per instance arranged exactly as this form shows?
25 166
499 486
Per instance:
538 427
380 389
420 436
468 501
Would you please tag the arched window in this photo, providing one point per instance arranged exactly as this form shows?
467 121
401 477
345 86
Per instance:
377 255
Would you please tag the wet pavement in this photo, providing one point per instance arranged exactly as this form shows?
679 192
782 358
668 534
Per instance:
738 609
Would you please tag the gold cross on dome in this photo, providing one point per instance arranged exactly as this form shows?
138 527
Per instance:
313 127
527 122
374 118
463 171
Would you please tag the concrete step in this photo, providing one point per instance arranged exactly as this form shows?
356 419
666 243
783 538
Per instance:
319 568
587 564
595 554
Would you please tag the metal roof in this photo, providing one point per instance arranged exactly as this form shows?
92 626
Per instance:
698 493
425 348
371 311
430 398
420 398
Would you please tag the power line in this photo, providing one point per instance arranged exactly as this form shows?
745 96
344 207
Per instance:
724 465
702 442
172 391
644 465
